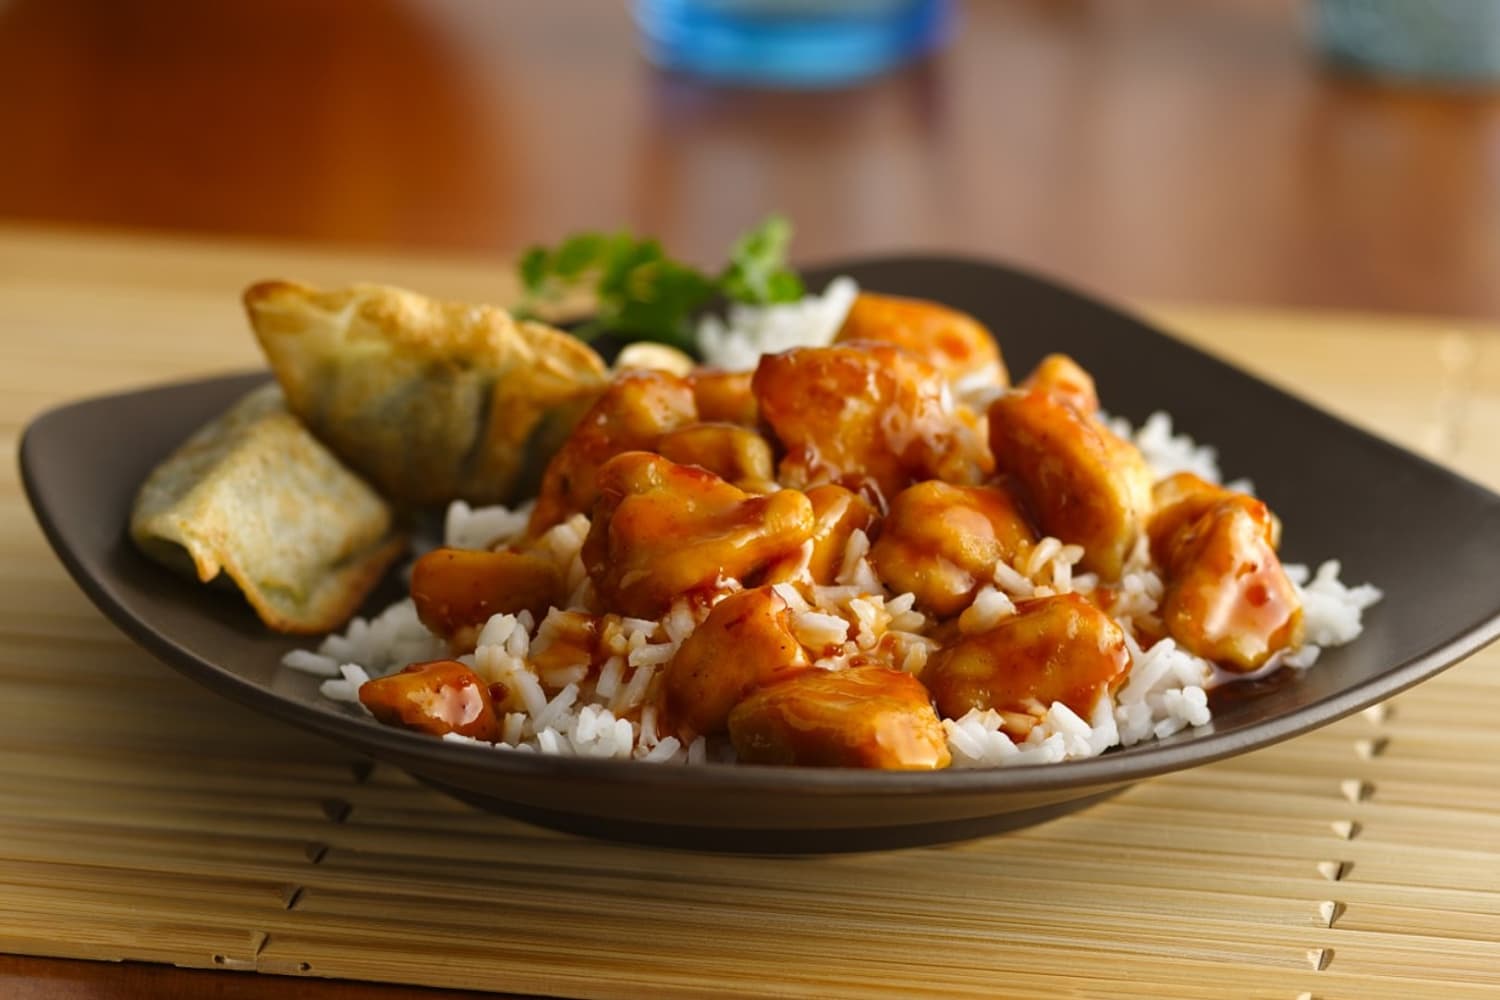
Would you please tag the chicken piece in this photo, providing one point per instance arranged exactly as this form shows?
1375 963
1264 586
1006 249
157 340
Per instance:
1066 380
941 542
1058 648
731 452
866 716
1081 482
724 397
745 643
837 514
955 343
870 417
442 696
457 590
633 413
1179 500
661 530
1227 597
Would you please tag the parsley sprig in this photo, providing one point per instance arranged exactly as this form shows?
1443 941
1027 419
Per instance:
642 294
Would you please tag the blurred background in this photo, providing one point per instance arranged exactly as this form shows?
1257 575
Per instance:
1162 149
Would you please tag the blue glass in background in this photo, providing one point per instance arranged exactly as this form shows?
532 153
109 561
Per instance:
1442 41
790 43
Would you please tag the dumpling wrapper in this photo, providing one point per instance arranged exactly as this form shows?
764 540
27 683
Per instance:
255 496
431 401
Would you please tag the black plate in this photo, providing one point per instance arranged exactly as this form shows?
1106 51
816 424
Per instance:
1430 539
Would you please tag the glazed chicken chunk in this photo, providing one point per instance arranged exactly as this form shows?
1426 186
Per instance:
1064 379
865 716
457 590
745 643
637 408
663 530
1058 648
724 396
1227 597
942 542
729 451
1183 498
439 697
955 343
1082 483
870 417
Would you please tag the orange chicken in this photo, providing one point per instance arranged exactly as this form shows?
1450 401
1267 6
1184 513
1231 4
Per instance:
662 530
865 716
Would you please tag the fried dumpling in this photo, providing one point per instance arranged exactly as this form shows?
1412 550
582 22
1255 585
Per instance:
256 497
431 401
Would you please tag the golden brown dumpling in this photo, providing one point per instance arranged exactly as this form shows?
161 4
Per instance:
431 401
256 497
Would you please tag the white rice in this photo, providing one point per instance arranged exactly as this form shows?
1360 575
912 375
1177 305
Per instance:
393 638
563 711
485 528
346 689
1165 692
978 739
309 662
1168 453
1330 610
978 389
751 331
989 607
818 630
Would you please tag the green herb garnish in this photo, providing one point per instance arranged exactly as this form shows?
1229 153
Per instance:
642 294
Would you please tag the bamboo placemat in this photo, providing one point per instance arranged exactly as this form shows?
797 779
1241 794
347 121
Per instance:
141 817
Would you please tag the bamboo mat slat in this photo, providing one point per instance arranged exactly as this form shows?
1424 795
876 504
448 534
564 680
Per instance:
142 817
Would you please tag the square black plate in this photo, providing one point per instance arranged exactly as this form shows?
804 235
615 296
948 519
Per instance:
1428 538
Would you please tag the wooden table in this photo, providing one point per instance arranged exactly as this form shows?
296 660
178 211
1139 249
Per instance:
1172 149
1182 150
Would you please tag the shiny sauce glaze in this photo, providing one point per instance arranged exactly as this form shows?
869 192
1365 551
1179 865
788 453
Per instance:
737 495
437 697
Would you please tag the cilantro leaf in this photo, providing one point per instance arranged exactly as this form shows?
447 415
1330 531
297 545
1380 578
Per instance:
757 271
642 294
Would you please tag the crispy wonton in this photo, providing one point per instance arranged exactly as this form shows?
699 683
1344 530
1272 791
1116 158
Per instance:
431 401
255 496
